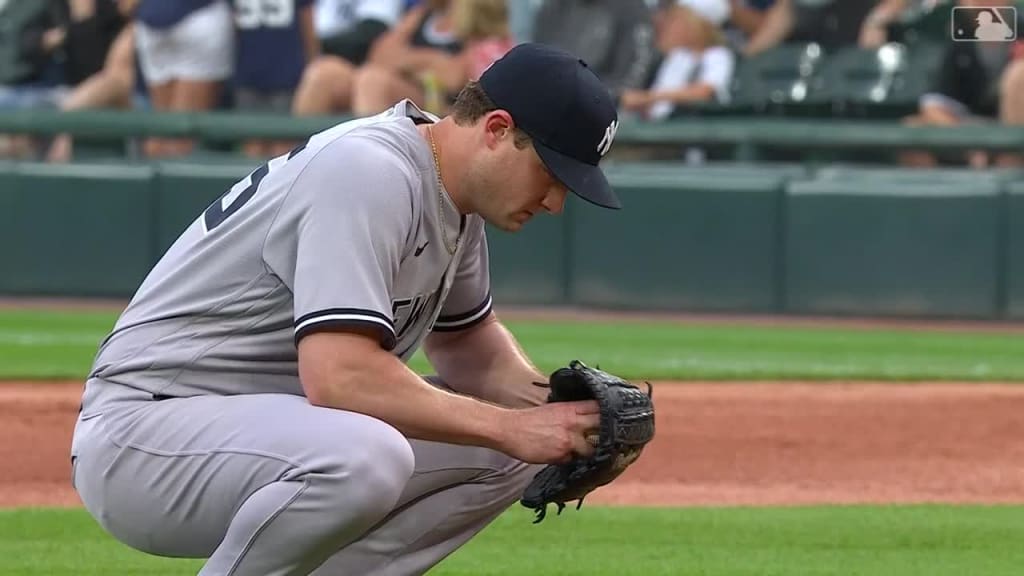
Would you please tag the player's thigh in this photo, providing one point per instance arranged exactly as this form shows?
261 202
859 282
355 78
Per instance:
168 476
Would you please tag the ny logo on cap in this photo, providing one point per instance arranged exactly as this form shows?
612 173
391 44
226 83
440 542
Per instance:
609 135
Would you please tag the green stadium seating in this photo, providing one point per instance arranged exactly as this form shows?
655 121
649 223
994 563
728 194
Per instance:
884 82
781 80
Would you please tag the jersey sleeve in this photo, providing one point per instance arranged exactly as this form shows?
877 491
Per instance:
469 300
347 218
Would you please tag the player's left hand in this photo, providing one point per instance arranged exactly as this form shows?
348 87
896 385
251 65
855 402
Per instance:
626 425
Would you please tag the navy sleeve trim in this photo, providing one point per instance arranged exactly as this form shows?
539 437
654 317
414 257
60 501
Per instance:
464 320
334 319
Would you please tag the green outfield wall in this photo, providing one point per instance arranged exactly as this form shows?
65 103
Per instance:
735 237
1014 250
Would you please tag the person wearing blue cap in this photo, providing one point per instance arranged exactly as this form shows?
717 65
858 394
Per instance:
253 405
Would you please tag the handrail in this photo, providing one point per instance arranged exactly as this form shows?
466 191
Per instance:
798 133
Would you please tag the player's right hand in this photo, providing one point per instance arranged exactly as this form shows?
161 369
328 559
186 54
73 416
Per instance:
552 433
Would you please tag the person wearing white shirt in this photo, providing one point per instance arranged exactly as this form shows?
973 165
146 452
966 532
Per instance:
696 66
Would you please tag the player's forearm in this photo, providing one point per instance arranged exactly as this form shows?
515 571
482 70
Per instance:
487 362
380 385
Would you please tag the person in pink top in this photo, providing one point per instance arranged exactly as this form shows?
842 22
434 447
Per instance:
484 29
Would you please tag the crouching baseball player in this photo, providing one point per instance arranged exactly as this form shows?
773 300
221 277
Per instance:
252 405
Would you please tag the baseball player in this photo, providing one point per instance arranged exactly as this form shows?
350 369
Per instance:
252 404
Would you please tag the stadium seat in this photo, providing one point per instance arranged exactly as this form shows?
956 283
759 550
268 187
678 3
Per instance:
779 81
860 79
883 82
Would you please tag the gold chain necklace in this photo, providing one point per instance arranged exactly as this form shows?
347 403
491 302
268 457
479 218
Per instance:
440 198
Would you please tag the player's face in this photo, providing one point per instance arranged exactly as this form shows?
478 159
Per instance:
512 185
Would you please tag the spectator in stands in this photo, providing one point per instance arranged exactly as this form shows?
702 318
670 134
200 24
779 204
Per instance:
745 20
696 66
483 28
111 87
521 14
875 30
830 23
275 40
978 82
422 46
186 54
614 37
31 35
347 29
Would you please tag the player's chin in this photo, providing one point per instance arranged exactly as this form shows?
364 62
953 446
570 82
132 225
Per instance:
513 223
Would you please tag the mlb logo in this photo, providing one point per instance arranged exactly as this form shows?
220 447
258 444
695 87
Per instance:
984 24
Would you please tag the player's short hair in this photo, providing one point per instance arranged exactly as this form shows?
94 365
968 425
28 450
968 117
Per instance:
472 104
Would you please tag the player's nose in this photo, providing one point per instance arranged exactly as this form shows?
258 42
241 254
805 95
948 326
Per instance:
554 201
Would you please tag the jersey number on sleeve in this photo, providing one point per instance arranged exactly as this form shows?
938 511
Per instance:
217 213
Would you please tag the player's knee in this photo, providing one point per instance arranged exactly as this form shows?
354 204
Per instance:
380 473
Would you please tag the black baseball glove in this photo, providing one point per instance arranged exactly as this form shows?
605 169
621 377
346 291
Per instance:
627 424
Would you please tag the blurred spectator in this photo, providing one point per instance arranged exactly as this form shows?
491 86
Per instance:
614 37
347 28
697 65
112 87
830 23
275 39
31 33
875 30
423 48
978 82
745 19
186 53
521 15
483 28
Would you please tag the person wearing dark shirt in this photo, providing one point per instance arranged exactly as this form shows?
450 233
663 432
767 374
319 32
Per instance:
614 37
273 43
977 82
830 23
423 49
349 29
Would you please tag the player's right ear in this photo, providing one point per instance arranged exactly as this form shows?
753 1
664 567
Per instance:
498 127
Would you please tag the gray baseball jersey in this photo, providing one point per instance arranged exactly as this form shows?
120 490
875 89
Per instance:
344 231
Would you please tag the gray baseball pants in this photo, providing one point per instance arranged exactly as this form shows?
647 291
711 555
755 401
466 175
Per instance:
269 485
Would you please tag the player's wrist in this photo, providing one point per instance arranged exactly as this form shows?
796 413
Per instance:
498 427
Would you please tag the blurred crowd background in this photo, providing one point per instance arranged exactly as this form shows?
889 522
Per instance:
661 59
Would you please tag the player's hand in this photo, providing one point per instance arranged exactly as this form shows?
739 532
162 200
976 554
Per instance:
551 433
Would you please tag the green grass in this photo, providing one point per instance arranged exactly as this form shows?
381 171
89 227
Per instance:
49 344
819 541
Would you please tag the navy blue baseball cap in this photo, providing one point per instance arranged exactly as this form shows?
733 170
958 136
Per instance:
564 107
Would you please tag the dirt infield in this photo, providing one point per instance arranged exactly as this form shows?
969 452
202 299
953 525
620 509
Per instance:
716 444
